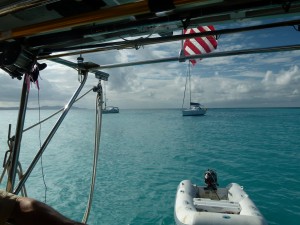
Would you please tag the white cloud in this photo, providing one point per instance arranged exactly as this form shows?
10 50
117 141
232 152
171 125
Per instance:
284 85
288 77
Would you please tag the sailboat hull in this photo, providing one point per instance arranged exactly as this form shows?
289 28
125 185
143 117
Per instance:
194 111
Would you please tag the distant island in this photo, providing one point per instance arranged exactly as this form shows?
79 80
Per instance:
42 108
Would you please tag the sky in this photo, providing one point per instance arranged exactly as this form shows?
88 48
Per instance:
257 80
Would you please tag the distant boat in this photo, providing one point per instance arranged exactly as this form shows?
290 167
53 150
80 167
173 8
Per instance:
199 205
195 108
108 109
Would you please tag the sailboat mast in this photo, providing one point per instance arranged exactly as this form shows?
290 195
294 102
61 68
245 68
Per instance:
105 95
190 82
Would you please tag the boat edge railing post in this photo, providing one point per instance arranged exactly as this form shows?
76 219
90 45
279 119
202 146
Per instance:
51 134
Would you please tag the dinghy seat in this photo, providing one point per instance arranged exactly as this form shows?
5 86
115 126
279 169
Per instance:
219 206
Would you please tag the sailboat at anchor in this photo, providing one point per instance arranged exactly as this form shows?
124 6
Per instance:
195 108
196 46
109 109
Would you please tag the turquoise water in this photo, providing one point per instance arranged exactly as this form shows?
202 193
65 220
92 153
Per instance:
146 153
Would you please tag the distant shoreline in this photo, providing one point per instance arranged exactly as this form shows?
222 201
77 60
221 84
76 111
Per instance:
37 108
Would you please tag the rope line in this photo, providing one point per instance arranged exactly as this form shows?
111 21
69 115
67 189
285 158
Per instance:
40 142
98 124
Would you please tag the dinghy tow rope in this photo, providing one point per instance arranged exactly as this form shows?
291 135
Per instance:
98 124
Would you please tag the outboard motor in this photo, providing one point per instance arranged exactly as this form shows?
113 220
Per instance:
211 179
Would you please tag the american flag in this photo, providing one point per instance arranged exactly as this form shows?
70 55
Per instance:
199 45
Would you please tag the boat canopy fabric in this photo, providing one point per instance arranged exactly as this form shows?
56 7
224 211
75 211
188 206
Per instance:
195 103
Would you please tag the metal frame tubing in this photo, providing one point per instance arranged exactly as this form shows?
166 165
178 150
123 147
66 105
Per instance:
203 56
51 134
117 45
18 138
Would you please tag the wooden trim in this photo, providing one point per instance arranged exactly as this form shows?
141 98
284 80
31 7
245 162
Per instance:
102 15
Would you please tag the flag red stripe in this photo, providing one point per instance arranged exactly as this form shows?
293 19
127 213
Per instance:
195 49
193 61
204 45
213 41
192 47
210 38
